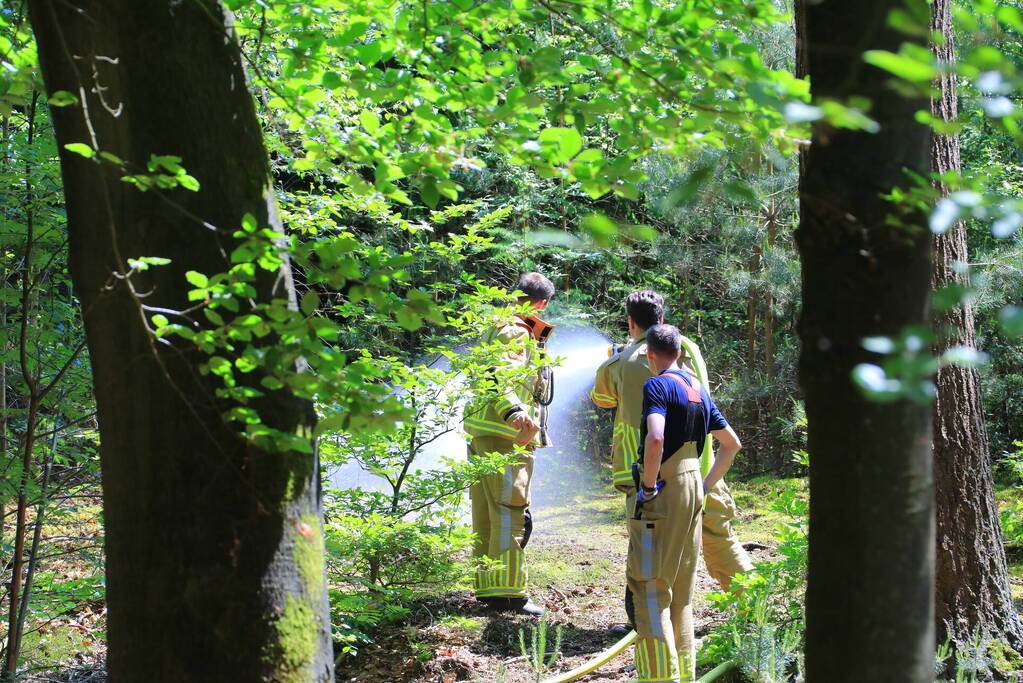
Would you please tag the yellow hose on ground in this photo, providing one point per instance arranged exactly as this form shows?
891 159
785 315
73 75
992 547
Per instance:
616 649
719 670
595 663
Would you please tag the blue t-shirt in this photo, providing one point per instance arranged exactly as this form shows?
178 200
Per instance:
684 419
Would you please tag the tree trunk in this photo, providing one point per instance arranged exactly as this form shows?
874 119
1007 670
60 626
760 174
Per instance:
772 234
751 311
869 601
971 577
214 547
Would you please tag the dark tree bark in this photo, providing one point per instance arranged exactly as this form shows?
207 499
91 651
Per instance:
214 547
869 602
971 576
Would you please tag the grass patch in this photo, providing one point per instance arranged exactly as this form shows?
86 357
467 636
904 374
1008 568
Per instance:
462 623
56 645
584 516
551 564
757 521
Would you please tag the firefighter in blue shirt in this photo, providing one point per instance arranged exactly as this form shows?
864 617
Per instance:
664 532
619 384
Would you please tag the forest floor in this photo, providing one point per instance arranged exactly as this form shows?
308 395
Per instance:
577 571
576 559
64 638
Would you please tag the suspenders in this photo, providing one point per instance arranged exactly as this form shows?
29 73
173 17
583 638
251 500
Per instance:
694 396
692 393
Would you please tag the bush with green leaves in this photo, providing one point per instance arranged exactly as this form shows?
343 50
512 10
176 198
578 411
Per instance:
1011 515
764 628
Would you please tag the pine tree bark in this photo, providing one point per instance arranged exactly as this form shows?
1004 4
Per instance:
971 576
214 547
869 600
752 301
772 234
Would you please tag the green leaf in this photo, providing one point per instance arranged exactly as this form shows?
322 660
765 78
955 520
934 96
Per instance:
964 356
197 279
331 80
112 158
369 54
801 112
950 296
332 423
910 68
567 141
875 383
1010 16
220 366
213 317
409 319
310 302
271 383
81 149
600 228
429 192
1012 321
62 98
686 191
370 121
355 31
188 182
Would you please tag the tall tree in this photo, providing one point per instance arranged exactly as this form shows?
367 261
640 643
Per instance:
869 602
971 576
214 545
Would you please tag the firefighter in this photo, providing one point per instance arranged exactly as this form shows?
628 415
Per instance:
678 414
514 421
619 384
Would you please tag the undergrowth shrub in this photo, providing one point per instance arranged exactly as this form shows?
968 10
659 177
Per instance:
764 629
1011 513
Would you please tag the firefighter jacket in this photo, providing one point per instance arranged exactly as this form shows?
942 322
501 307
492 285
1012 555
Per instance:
619 384
493 413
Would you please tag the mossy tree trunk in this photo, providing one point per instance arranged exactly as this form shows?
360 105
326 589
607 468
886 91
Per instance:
214 547
869 601
971 576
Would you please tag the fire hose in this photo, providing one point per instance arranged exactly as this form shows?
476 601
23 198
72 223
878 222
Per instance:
610 653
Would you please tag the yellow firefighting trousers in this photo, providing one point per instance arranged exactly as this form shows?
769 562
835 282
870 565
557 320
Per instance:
500 505
663 547
722 551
